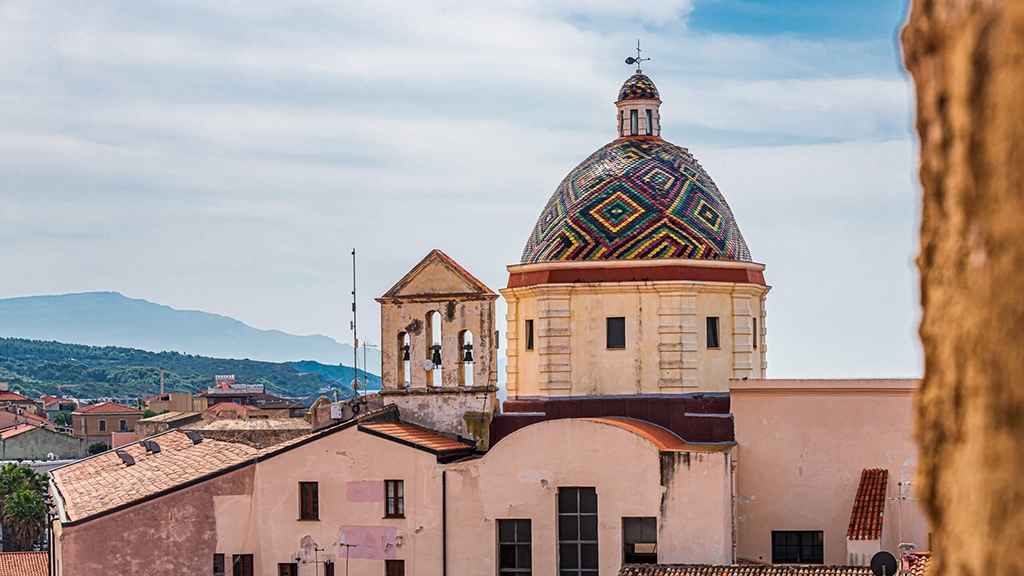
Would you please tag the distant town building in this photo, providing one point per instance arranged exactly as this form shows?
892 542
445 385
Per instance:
96 422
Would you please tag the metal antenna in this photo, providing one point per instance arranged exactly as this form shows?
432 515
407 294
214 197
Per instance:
638 59
355 334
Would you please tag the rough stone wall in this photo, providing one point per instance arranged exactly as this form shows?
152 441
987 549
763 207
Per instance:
36 444
967 60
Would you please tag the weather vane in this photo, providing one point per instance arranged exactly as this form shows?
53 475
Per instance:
638 59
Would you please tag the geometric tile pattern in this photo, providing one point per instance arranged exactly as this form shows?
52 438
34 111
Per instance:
638 86
636 198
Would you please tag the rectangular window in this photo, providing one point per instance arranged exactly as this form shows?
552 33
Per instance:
616 333
634 122
123 425
394 568
394 497
288 569
329 569
577 532
218 565
514 547
309 501
650 127
529 334
103 425
241 565
640 540
798 547
712 332
620 122
755 333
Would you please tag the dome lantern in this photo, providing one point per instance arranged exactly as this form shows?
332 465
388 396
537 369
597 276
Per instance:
638 103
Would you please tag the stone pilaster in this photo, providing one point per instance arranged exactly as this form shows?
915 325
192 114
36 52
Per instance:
552 339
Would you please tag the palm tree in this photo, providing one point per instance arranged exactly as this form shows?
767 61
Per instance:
24 518
62 418
15 479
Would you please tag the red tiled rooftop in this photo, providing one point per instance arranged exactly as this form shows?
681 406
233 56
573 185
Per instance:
106 408
661 437
421 437
104 482
24 564
229 407
869 505
12 431
9 396
918 563
742 570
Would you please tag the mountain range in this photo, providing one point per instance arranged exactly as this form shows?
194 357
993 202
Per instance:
112 319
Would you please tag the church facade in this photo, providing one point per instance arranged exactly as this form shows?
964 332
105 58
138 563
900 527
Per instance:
639 426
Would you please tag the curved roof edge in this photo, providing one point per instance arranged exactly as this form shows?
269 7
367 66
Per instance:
663 438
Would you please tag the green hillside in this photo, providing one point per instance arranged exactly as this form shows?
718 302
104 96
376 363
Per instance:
35 368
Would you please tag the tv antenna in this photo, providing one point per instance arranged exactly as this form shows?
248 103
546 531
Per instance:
355 334
638 60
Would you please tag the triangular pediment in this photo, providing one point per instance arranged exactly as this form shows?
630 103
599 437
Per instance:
438 275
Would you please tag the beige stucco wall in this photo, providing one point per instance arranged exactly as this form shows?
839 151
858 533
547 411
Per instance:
666 342
689 493
348 465
802 447
37 443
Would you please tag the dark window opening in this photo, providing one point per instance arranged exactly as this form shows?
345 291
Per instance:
241 565
103 425
640 540
616 333
634 122
712 331
123 425
394 568
577 532
650 128
529 334
288 569
620 122
309 501
329 569
218 565
798 547
394 496
755 333
514 547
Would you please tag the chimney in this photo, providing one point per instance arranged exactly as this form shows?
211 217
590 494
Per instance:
4 386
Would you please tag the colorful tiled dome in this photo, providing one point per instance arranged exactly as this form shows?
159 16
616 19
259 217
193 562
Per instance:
638 86
636 198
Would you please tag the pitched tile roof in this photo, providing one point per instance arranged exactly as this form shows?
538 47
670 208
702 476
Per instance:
418 437
229 407
742 570
106 408
869 505
918 563
103 482
24 564
99 484
15 430
11 396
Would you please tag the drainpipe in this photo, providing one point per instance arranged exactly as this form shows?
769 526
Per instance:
735 506
444 523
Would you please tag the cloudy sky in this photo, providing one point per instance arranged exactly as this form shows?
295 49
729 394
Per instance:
227 156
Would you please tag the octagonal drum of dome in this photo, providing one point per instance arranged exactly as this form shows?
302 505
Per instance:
636 198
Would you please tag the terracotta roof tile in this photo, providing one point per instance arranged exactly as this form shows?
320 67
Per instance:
661 437
103 482
742 570
23 564
869 505
15 430
419 436
10 396
229 407
106 408
918 563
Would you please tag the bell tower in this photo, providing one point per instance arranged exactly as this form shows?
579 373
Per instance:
438 349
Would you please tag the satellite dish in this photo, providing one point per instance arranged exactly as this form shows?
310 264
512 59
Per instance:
883 564
428 364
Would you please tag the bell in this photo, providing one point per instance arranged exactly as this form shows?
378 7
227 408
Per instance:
468 359
405 353
436 358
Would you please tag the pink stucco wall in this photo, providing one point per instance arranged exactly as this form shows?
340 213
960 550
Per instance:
802 447
519 478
